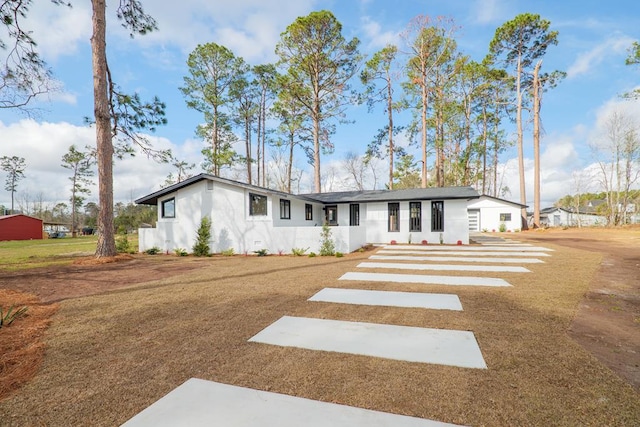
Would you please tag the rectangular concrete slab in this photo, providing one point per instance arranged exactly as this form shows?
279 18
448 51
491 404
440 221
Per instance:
457 259
389 299
445 267
406 343
201 403
425 279
463 253
469 248
510 243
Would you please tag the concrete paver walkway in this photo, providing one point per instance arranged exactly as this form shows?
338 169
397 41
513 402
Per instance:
470 248
425 279
388 298
457 259
463 252
407 343
445 267
200 403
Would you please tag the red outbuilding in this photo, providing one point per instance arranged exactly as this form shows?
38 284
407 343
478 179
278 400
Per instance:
20 227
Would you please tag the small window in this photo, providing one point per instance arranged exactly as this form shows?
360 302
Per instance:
437 216
285 209
169 208
308 212
505 217
332 215
415 216
394 216
209 185
354 215
257 205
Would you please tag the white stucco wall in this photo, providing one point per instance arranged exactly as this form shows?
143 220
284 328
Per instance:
490 211
233 228
456 224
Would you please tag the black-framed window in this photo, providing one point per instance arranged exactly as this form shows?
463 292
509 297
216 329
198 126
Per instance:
332 215
394 216
437 216
257 204
505 217
285 209
415 216
308 212
168 208
354 214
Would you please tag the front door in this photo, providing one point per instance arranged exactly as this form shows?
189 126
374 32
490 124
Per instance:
474 219
332 215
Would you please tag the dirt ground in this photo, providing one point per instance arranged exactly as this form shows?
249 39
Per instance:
607 323
608 320
84 277
121 330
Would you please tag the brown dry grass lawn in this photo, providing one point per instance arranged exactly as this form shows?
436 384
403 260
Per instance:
109 356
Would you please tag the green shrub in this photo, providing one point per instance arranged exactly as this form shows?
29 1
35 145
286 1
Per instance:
503 227
180 252
201 247
261 252
122 244
228 252
339 254
7 318
152 251
299 251
327 246
312 254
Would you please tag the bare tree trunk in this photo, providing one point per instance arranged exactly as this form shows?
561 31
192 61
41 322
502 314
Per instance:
106 246
536 145
425 105
523 195
316 147
390 114
290 162
247 137
484 149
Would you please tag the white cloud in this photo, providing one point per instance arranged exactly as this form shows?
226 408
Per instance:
377 38
491 11
59 30
587 61
43 144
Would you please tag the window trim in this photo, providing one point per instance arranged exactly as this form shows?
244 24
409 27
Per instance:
285 209
506 216
437 215
415 224
393 207
252 210
163 210
354 214
308 212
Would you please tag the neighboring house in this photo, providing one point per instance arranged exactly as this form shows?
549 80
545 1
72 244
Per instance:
248 218
562 217
490 213
20 227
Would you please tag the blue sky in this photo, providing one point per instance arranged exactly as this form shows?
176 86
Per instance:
593 40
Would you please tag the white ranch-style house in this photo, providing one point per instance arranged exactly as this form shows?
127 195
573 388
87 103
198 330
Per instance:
248 218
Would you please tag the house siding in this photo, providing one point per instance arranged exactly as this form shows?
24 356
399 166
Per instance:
20 227
455 220
234 228
490 210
